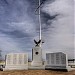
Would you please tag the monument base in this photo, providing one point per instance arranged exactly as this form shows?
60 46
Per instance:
63 68
37 63
36 67
15 68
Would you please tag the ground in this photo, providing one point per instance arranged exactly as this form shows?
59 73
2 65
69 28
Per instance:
36 72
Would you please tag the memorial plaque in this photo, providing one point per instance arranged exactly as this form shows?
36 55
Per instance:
57 60
16 61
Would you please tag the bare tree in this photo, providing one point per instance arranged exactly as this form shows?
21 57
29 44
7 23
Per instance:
0 55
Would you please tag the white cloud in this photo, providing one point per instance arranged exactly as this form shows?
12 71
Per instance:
61 36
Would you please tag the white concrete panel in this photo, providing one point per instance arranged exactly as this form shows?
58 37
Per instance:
16 61
57 60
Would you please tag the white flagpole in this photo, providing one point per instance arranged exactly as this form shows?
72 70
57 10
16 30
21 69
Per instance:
39 21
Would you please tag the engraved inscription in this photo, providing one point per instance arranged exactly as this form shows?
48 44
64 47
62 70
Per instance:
15 59
8 59
25 59
52 57
20 58
56 59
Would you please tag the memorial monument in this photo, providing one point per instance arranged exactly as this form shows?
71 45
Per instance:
37 54
16 61
57 60
37 51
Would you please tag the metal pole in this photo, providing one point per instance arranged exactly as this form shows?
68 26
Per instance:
39 23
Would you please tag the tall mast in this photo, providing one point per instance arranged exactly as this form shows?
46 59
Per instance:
39 42
39 22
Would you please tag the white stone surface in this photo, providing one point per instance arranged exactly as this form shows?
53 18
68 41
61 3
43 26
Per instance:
57 60
16 61
37 56
36 68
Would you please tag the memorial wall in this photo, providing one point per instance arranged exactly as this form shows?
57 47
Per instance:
16 61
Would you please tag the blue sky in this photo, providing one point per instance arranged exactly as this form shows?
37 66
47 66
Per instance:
19 26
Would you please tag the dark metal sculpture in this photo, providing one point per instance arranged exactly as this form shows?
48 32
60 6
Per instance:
37 42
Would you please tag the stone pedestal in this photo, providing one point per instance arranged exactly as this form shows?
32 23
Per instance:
37 56
36 63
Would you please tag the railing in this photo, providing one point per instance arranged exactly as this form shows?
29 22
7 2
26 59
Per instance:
71 62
